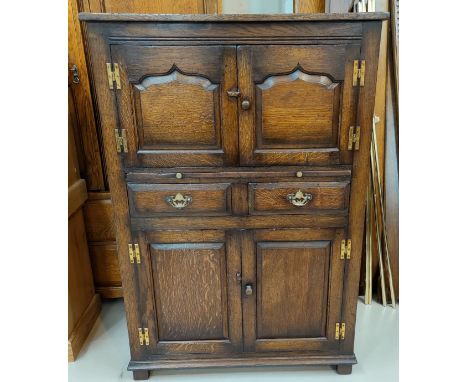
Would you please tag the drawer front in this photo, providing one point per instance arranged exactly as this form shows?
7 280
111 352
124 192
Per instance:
146 200
298 197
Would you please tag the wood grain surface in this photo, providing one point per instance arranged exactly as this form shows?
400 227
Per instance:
265 283
153 6
202 18
206 199
190 291
178 95
273 197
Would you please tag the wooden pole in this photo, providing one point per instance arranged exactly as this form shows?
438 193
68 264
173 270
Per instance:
375 168
378 232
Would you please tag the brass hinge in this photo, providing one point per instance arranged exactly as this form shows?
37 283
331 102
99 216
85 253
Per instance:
113 75
340 331
121 140
345 249
359 72
143 336
354 137
134 252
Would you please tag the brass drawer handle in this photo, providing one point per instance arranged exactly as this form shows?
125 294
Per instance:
299 198
178 201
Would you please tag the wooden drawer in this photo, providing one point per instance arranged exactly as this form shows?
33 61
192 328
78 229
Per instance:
298 197
147 200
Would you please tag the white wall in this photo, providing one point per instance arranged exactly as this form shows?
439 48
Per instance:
257 6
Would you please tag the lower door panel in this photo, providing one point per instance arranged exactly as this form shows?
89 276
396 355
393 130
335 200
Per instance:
191 291
292 286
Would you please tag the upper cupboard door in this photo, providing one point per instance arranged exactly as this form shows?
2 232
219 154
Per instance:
174 106
297 104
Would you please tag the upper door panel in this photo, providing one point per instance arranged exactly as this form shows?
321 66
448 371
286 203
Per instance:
298 103
174 106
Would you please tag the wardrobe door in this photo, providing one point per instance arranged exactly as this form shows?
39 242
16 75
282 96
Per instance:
190 291
297 103
173 105
292 288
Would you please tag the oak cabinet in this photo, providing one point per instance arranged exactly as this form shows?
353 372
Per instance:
237 150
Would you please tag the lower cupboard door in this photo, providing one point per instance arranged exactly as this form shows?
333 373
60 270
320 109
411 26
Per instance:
190 291
292 285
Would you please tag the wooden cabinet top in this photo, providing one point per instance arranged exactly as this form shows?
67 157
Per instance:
124 17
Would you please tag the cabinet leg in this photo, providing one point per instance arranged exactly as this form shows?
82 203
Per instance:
344 369
141 375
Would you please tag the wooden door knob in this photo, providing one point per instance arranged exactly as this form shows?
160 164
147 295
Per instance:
248 290
245 104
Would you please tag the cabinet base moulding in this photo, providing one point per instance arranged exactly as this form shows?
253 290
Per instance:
342 362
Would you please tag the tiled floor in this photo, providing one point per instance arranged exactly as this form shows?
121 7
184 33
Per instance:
105 355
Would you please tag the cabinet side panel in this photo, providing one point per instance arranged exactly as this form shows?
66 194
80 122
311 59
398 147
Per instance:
99 56
370 53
